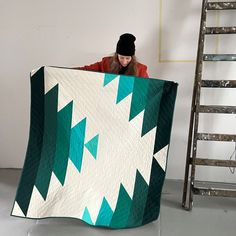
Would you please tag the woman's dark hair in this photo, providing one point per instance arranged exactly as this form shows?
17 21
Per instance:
116 66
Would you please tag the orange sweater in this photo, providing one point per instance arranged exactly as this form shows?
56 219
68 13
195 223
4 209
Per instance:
104 66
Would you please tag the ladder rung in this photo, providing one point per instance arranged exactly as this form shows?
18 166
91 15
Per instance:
214 192
219 83
217 109
219 57
214 162
221 30
221 5
216 137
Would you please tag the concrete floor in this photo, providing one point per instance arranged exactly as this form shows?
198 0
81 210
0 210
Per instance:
210 216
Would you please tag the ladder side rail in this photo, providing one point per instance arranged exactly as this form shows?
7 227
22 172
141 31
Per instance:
195 99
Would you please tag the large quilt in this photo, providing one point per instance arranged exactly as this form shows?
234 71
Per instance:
97 148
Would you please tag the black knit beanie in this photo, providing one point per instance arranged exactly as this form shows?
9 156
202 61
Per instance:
125 45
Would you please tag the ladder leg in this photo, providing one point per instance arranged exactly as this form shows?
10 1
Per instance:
194 116
190 203
185 188
188 156
194 147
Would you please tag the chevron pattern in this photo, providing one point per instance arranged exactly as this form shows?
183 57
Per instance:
97 147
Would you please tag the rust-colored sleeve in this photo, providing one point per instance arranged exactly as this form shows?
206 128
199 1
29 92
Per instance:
93 67
143 72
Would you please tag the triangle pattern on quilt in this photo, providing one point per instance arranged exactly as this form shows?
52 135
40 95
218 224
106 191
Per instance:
92 146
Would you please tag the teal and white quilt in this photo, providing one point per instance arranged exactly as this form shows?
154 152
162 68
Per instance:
97 147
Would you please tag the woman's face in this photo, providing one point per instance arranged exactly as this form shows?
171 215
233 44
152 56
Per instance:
124 60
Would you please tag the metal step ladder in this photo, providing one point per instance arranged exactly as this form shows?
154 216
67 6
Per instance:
194 136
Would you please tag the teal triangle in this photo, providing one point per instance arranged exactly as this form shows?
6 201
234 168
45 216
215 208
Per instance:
165 116
105 214
92 146
138 201
121 213
49 142
139 97
35 143
152 206
108 78
126 85
64 117
152 109
77 144
86 216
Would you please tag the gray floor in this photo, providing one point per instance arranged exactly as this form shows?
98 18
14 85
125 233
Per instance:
210 216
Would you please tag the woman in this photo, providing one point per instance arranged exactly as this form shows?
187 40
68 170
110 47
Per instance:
123 61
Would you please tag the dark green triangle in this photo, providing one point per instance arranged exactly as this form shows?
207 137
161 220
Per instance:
105 214
77 144
125 87
33 154
152 207
49 142
154 95
121 213
138 202
139 97
165 116
63 141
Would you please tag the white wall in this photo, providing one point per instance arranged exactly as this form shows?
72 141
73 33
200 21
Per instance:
70 33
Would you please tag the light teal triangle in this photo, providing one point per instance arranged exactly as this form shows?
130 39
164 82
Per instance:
121 213
105 214
77 144
86 216
126 85
108 78
92 146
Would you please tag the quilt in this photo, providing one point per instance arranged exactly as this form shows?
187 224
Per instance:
97 148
